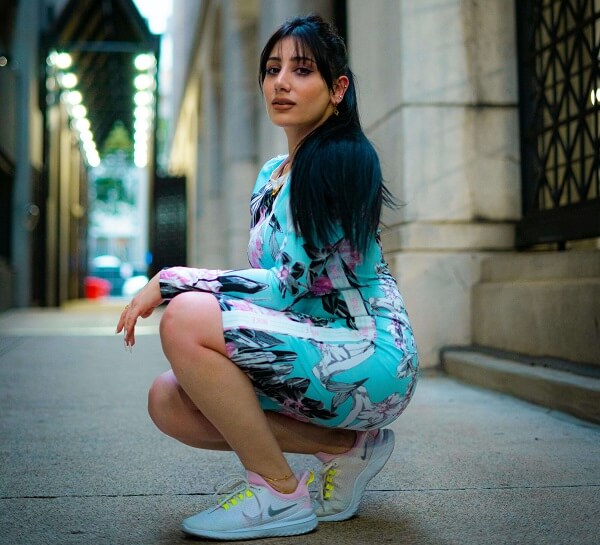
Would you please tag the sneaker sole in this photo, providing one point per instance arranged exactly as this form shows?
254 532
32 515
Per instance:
292 529
363 480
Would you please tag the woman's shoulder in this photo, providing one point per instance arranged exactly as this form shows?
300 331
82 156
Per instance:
267 169
270 166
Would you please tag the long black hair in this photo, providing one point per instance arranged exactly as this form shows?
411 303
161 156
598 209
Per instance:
336 176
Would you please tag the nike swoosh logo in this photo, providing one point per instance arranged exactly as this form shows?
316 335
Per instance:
368 448
274 512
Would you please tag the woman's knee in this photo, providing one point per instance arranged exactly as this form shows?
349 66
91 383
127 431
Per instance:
174 413
177 313
192 319
163 400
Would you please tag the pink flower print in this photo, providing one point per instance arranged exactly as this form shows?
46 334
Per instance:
239 304
295 415
321 286
350 256
377 414
283 274
294 405
169 274
230 349
255 250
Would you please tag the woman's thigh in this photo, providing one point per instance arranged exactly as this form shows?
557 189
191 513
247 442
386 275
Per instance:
314 371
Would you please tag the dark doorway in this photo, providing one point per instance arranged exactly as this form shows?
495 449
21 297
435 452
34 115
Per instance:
168 236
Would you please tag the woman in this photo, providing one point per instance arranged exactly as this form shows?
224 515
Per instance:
310 350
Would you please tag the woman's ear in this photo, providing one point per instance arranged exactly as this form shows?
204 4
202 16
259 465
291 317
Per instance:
339 89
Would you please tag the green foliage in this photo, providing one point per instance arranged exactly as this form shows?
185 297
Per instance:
112 190
118 140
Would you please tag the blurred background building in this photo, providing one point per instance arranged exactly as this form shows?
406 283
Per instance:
486 116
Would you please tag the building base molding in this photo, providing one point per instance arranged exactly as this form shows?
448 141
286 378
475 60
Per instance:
576 392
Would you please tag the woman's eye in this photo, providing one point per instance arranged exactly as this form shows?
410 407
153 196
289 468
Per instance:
301 70
272 70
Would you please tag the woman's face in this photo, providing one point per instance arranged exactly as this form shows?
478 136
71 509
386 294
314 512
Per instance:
296 96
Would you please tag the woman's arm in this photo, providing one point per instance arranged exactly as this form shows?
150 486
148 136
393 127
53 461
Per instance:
291 278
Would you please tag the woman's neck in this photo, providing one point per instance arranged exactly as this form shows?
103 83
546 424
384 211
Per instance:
283 168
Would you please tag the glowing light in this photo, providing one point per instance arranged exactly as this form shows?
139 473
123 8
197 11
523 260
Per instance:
3 61
61 60
142 112
82 124
73 97
86 136
90 148
143 98
68 80
143 81
144 61
140 160
140 136
78 111
141 125
93 160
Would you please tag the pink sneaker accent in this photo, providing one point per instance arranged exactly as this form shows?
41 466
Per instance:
360 438
300 492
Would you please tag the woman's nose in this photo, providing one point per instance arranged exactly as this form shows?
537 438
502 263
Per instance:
282 81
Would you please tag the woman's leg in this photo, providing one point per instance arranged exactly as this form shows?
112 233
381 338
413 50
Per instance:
192 338
175 414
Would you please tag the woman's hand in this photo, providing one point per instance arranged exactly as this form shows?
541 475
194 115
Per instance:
141 306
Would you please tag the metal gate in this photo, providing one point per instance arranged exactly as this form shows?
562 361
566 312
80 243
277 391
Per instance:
168 234
559 80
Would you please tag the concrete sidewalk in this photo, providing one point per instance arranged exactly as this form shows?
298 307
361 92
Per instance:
82 463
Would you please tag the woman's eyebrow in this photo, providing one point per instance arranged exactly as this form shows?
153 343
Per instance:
301 58
297 59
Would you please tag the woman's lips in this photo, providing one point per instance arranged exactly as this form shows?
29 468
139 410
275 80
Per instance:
282 104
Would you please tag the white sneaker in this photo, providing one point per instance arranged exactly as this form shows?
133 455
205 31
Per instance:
250 508
345 477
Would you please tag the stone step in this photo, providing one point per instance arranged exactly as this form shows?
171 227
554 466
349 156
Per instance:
545 383
540 266
559 318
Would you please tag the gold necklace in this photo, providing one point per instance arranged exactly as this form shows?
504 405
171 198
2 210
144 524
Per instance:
278 182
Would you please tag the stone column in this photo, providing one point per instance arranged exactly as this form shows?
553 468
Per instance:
438 96
27 68
213 243
239 131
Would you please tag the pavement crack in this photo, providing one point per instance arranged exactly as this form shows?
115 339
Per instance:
9 343
82 496
507 487
380 490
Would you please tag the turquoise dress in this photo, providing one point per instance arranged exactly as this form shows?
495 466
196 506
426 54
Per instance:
322 333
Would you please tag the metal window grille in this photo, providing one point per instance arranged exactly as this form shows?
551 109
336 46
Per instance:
559 78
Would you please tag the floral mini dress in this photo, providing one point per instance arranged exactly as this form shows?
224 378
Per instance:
322 333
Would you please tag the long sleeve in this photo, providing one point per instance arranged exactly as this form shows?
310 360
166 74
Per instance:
295 274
